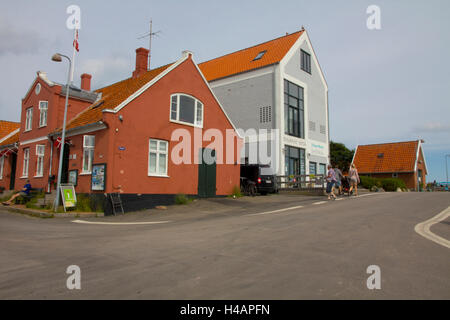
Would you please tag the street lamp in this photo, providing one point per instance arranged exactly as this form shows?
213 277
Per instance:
57 57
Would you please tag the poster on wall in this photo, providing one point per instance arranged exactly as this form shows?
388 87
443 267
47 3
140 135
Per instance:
98 177
73 177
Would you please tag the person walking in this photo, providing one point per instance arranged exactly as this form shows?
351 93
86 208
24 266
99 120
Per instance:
339 177
354 179
331 180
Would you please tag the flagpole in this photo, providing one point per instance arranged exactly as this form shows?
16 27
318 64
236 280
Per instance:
73 54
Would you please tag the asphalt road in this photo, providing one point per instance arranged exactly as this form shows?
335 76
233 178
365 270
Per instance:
241 250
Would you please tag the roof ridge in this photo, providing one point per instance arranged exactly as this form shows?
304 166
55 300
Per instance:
130 78
379 144
265 42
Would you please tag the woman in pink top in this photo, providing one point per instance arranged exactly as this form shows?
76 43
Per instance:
354 179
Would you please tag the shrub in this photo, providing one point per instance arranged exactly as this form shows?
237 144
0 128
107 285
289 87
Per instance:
369 182
391 184
236 192
181 199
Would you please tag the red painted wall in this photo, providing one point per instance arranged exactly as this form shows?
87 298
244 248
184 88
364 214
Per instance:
148 117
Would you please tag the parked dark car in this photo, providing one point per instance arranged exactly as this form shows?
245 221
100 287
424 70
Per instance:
262 175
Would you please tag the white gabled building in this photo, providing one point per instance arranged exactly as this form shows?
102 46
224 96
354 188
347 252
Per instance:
277 85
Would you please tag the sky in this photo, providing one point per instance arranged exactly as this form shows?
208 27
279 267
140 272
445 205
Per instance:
385 85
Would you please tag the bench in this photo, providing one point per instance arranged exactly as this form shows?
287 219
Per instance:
23 199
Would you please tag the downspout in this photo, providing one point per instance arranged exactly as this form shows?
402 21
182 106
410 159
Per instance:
49 187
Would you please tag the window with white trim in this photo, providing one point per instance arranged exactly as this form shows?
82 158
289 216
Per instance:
26 161
43 108
2 163
40 151
88 153
29 119
186 109
157 158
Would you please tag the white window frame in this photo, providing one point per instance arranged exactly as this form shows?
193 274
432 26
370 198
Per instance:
26 162
198 123
29 119
40 160
43 111
158 152
91 155
2 164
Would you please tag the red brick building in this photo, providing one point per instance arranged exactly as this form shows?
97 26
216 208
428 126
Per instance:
120 138
403 160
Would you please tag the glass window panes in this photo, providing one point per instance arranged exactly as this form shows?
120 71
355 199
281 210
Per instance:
186 109
293 110
157 157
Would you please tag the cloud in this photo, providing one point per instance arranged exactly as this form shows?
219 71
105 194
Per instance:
433 127
107 70
18 41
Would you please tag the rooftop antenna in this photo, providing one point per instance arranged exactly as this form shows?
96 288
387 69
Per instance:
150 35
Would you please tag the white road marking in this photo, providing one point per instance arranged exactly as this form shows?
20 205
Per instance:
119 223
423 228
275 211
320 202
339 199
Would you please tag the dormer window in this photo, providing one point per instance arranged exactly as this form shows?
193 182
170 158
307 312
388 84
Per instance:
186 109
260 55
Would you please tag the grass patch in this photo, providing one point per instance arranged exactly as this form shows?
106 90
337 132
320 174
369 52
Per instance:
236 192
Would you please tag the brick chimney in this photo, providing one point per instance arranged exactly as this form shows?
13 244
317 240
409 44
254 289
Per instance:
141 62
86 81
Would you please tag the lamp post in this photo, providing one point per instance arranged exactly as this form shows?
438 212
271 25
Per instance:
57 57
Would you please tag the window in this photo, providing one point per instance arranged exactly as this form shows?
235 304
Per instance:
312 126
294 161
265 114
88 153
305 61
26 161
43 107
29 119
294 113
2 163
260 55
312 168
322 168
40 150
186 109
157 159
323 129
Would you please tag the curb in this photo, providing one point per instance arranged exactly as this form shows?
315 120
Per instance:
47 215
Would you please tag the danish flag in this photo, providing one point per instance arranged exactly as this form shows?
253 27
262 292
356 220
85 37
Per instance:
75 41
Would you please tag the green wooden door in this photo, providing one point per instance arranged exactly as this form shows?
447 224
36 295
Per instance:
207 173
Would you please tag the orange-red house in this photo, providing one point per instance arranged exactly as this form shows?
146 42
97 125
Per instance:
130 130
159 133
403 160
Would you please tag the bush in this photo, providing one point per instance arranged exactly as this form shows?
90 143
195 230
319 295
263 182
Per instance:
236 192
181 199
392 184
369 182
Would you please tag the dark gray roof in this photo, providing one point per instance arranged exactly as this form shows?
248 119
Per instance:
76 92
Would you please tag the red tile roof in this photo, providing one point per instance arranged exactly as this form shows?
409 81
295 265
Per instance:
13 139
387 157
243 60
6 127
112 96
